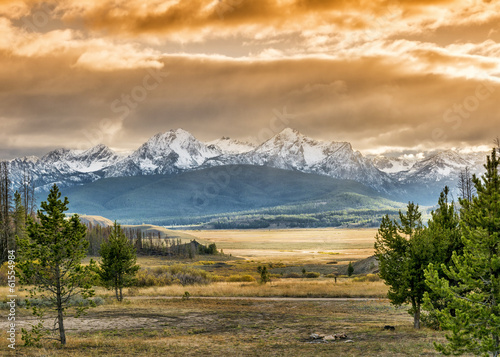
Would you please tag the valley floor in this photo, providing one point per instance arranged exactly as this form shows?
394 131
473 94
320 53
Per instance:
195 327
244 318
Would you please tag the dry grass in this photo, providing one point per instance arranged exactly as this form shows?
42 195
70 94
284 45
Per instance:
243 328
278 287
199 327
283 287
304 246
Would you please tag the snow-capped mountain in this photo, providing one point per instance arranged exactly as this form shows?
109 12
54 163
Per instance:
392 165
436 168
178 151
63 167
291 150
93 159
173 151
423 180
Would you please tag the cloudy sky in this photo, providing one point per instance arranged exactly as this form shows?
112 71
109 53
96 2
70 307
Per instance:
386 75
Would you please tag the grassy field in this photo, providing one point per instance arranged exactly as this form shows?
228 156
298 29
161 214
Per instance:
293 245
156 321
241 328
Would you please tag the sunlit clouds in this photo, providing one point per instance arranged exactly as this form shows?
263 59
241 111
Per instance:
384 75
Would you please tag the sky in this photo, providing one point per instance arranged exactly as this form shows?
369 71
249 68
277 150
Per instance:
386 75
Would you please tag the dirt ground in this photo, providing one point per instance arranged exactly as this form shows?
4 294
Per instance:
241 327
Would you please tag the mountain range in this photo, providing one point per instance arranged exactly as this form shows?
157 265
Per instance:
178 151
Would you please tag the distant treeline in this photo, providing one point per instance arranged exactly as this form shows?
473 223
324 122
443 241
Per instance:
346 209
355 218
346 218
149 243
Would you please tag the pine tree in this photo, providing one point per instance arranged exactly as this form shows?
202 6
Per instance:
118 266
444 226
403 252
444 237
49 259
264 274
472 313
350 269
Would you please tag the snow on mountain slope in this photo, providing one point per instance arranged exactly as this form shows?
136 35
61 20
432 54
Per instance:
292 150
392 165
93 159
178 151
445 165
63 167
230 146
164 153
346 163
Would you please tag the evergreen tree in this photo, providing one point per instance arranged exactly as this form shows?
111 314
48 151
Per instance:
118 266
264 274
350 269
49 259
444 237
444 226
138 241
472 313
402 251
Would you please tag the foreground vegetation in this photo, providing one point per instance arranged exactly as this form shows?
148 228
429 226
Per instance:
452 264
196 327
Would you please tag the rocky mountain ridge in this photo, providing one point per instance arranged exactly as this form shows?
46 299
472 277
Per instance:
177 151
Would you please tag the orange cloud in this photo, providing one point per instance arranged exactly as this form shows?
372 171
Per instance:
349 70
139 17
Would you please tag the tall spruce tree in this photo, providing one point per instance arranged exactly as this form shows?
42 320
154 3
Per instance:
403 253
49 259
443 238
472 313
118 265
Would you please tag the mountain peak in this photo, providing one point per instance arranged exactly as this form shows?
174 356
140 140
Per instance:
448 157
171 135
168 152
231 146
290 133
56 154
98 149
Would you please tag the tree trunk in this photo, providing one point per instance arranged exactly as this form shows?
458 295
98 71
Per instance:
416 316
60 322
60 317
116 293
121 294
